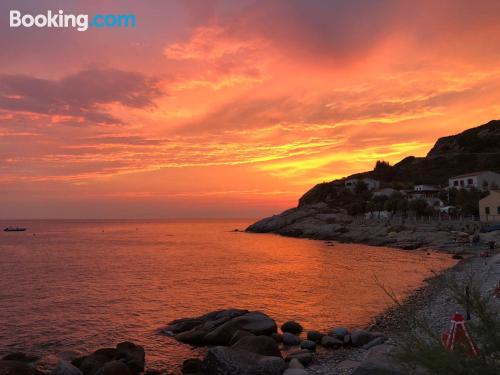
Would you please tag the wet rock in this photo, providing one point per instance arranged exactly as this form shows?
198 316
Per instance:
292 327
132 355
10 367
66 368
114 368
339 332
20 357
305 357
230 361
290 339
193 366
89 365
255 322
314 336
308 344
195 337
214 317
238 335
331 342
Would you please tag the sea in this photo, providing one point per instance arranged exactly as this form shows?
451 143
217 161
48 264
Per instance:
71 285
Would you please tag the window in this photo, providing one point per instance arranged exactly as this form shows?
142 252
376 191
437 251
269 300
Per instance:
455 183
469 181
498 210
462 183
487 210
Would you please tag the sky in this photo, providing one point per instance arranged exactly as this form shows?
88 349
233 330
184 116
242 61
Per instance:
231 108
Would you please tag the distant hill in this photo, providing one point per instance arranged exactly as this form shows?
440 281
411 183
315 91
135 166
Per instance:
473 150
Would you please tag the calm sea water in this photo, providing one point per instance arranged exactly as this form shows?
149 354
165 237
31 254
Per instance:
82 285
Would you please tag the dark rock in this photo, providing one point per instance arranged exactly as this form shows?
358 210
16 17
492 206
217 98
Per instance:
295 371
92 363
9 367
20 357
308 344
339 332
133 356
376 341
292 327
239 334
255 322
277 337
194 337
379 362
114 368
295 363
347 340
360 337
314 336
66 368
263 345
303 356
290 339
193 366
186 324
229 361
331 342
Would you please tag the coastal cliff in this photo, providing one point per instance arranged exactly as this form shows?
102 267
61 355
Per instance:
329 211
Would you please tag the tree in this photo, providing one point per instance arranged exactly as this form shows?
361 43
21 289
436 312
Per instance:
383 171
420 207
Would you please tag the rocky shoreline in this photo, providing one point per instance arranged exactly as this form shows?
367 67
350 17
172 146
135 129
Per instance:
322 222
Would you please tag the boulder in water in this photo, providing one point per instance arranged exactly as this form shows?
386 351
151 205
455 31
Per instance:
292 327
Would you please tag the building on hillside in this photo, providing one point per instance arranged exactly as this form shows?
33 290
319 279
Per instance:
484 180
370 183
489 207
429 193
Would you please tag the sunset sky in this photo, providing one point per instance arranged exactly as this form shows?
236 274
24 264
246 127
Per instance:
231 108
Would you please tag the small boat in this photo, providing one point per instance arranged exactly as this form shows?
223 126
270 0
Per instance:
14 229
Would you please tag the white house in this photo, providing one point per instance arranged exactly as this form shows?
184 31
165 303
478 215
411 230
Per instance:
484 180
429 193
370 183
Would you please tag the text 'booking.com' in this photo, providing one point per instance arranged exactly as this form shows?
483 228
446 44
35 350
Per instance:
79 22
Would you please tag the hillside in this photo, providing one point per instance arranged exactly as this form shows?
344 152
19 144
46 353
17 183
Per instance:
472 150
329 211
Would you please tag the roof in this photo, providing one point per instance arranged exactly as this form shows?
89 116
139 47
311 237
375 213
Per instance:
471 174
491 193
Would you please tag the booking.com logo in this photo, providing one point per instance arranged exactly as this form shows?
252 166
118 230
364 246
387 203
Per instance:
79 22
